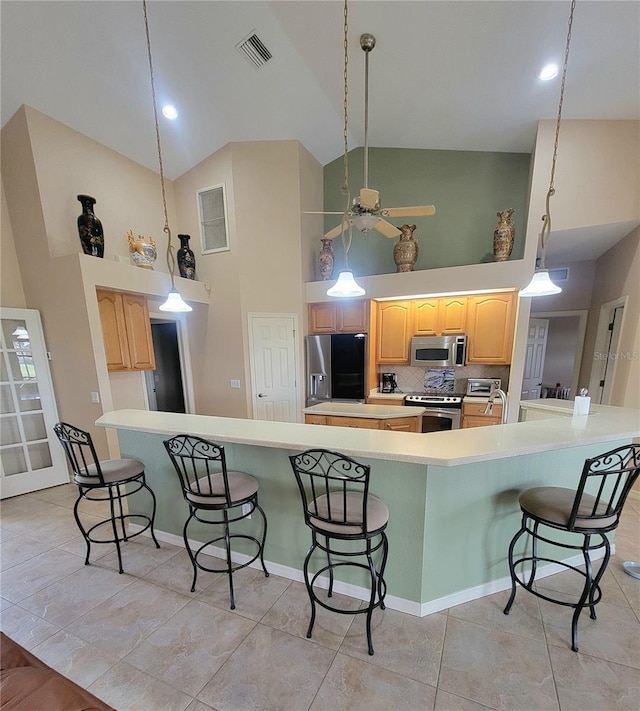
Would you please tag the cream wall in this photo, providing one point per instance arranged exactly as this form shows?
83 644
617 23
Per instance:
262 271
11 289
618 275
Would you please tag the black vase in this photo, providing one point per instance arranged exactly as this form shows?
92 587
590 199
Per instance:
90 228
186 259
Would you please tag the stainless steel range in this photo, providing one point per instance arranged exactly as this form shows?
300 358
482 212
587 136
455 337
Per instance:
442 410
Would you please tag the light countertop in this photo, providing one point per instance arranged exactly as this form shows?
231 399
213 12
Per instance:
377 412
387 396
447 449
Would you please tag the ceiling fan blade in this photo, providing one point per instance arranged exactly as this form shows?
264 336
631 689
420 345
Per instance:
369 199
309 212
419 211
387 229
337 231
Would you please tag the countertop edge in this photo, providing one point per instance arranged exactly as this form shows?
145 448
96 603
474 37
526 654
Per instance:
470 445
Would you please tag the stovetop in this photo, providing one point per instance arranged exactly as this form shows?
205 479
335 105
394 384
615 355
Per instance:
435 397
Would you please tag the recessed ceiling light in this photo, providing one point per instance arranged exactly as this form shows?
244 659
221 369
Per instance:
547 72
170 111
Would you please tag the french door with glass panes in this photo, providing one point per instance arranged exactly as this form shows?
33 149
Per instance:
30 456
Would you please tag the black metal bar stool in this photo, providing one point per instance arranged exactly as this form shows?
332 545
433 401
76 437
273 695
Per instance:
112 480
208 487
593 510
338 507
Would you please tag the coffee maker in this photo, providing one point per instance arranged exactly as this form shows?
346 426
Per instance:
388 382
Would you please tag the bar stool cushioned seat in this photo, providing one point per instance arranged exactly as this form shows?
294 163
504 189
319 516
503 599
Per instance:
210 488
112 480
584 514
338 508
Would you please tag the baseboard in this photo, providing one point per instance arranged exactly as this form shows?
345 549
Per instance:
391 601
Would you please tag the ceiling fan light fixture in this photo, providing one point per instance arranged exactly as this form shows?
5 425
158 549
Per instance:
540 285
365 222
346 286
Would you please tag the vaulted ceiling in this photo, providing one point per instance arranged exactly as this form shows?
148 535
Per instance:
447 75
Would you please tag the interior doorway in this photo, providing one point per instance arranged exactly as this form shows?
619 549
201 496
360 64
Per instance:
166 388
562 355
606 351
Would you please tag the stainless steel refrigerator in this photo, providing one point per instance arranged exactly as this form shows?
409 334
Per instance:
335 367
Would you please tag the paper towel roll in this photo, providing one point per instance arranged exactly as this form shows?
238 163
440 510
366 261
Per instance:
581 405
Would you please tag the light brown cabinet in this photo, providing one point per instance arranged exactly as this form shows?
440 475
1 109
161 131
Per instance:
126 330
411 423
394 331
490 327
344 317
473 415
440 317
384 401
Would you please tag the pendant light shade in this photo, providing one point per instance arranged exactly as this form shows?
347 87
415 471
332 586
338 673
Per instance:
346 286
174 303
540 285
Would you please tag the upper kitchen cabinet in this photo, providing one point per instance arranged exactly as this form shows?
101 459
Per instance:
394 331
338 317
490 328
126 329
438 317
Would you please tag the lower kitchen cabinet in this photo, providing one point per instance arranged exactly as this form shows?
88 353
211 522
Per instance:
473 415
398 424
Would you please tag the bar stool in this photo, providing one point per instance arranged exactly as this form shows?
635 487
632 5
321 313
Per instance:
609 477
112 480
337 508
208 487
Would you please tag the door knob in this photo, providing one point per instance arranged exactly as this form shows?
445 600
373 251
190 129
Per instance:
261 395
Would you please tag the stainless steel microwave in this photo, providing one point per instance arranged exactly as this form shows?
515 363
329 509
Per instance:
439 351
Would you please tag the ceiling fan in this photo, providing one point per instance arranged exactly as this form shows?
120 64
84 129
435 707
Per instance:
366 212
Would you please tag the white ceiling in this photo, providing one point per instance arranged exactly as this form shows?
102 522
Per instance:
447 75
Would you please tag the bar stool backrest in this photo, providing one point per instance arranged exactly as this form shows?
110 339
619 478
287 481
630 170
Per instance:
608 478
80 452
321 472
197 461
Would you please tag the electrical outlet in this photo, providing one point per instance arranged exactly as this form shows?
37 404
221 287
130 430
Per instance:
95 397
246 510
235 384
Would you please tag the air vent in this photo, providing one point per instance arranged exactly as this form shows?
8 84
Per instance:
253 49
559 274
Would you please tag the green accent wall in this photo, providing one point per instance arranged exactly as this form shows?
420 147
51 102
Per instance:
468 188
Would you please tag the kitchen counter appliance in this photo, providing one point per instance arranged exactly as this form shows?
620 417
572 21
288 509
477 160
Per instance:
442 411
482 387
335 367
388 383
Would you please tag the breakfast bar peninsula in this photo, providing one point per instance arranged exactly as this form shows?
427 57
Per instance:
452 496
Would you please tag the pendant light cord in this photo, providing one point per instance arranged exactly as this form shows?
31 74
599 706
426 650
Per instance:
346 240
546 218
171 260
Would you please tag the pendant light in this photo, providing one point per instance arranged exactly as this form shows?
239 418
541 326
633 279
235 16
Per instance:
541 284
174 302
346 286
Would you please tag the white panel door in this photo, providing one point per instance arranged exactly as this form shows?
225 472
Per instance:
30 456
534 358
273 368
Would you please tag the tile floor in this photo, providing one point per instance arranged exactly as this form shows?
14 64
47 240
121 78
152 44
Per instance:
142 641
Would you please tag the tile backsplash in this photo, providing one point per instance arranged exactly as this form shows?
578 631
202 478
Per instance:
412 379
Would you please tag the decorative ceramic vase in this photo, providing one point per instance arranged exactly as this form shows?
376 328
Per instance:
143 254
186 258
503 236
90 228
405 252
325 259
